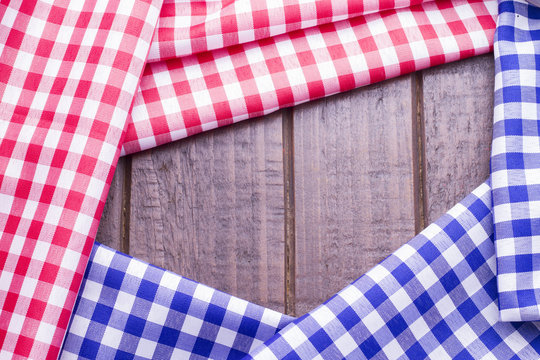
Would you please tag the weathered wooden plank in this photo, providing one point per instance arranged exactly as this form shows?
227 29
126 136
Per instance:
458 111
211 208
353 185
110 226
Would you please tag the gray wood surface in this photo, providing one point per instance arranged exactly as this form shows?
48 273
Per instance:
286 210
353 185
110 230
458 115
211 208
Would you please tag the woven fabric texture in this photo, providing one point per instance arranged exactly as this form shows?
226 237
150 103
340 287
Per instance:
68 75
515 160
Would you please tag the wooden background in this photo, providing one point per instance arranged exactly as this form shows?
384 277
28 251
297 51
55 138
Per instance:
287 209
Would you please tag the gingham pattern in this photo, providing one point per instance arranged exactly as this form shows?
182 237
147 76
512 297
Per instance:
187 95
515 160
191 27
128 309
435 297
68 74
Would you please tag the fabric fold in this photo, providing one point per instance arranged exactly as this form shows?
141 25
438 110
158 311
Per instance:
187 95
129 309
188 28
515 160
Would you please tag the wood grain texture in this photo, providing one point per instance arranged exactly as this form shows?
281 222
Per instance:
354 185
211 208
110 226
458 116
219 206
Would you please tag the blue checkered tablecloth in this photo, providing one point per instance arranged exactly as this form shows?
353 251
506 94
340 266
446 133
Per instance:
128 309
435 297
515 160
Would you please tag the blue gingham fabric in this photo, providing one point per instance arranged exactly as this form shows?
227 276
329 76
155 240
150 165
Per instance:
435 297
515 160
128 309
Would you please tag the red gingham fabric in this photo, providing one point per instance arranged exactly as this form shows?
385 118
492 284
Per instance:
187 28
68 74
183 96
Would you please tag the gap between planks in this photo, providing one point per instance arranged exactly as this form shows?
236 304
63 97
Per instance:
126 207
289 213
419 152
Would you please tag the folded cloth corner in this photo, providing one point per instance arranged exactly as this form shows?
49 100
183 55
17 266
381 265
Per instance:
129 309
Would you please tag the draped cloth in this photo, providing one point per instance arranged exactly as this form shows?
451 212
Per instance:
128 308
376 40
435 297
82 83
515 161
68 73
